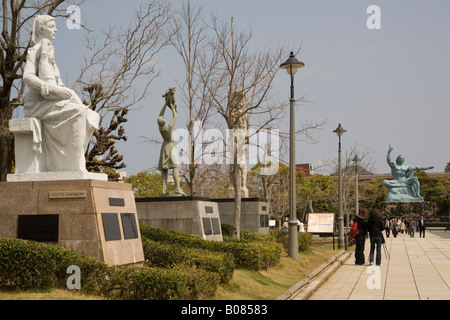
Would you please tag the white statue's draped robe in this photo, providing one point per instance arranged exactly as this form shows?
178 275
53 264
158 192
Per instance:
67 125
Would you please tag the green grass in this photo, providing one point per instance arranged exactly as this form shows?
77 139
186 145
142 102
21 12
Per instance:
54 294
271 283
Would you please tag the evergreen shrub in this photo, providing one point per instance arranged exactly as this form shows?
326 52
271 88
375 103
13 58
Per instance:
254 255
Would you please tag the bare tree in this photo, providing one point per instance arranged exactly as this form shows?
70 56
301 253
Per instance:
190 41
15 37
232 68
114 64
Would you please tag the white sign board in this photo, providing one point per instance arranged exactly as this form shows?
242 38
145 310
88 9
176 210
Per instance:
320 222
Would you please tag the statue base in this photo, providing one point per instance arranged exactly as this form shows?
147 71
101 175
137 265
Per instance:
405 209
91 217
254 214
56 176
169 195
194 215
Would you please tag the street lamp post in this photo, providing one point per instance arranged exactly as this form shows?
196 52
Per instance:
340 132
291 66
356 160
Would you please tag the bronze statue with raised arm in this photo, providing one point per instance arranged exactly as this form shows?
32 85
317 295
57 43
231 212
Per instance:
404 187
168 158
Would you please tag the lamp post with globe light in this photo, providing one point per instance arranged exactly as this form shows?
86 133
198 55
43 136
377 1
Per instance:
340 132
291 65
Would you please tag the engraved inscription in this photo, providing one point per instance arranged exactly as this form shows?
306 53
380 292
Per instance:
207 226
116 202
129 226
68 194
111 226
216 225
42 228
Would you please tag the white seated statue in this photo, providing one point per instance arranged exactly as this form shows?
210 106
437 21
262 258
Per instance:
66 123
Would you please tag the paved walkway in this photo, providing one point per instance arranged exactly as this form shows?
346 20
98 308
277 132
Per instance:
418 269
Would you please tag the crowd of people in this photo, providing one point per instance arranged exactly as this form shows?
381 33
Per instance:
407 226
373 225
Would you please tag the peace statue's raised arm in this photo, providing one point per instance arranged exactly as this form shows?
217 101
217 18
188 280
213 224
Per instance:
388 158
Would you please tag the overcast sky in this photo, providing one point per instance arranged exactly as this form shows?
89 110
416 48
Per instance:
385 86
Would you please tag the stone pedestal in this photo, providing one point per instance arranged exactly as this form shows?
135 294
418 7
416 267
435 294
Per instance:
93 217
194 215
56 176
413 209
27 144
254 214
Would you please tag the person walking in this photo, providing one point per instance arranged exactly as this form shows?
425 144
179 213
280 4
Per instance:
375 226
422 227
402 226
387 227
395 228
412 227
360 240
285 224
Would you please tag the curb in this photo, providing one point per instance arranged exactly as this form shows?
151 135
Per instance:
306 287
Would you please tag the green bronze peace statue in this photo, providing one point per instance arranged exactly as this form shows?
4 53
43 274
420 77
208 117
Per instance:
404 187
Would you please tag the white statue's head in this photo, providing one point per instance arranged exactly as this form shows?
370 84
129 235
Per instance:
44 26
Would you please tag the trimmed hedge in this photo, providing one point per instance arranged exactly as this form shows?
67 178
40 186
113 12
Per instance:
282 236
276 235
253 255
165 255
178 265
152 283
29 265
26 265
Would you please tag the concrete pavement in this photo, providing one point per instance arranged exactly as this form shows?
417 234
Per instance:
418 269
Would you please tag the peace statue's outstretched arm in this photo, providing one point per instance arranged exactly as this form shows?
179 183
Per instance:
416 168
389 161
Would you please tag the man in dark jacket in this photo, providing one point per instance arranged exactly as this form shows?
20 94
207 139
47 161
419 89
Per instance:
422 226
375 226
361 238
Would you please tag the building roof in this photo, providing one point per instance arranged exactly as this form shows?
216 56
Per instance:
351 171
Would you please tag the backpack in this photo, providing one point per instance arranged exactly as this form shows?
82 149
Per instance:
354 231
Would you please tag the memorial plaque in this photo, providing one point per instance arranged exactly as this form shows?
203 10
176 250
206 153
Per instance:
264 221
68 194
209 209
129 226
215 225
116 202
111 226
42 228
207 226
